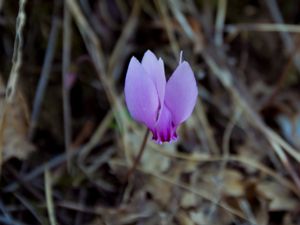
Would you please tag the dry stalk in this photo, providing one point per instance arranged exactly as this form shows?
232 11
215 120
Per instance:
15 70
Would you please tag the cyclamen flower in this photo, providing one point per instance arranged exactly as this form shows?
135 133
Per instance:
162 106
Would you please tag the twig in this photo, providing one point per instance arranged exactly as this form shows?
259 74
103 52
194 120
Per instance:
30 207
175 8
94 140
27 186
40 92
4 211
67 42
4 220
279 84
286 163
83 135
225 148
93 19
277 17
227 134
138 157
285 36
244 205
81 208
79 216
200 112
55 161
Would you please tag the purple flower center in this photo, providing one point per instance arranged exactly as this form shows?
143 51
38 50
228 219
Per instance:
164 129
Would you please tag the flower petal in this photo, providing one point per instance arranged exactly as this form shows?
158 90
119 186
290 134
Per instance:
164 131
181 93
140 94
155 69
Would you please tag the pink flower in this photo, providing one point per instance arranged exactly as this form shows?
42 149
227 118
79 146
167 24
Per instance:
158 104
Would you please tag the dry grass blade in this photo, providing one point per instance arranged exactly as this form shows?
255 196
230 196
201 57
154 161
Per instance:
2 127
286 163
94 140
277 17
4 220
15 70
89 36
38 171
127 33
285 36
18 53
44 78
1 4
200 112
175 7
94 48
5 212
221 13
67 43
49 198
31 208
263 27
168 24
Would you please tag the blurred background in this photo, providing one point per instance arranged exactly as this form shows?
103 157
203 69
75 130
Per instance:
67 140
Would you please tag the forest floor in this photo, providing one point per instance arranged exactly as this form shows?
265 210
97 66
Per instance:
67 140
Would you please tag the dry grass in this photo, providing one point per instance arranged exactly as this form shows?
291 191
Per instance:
237 160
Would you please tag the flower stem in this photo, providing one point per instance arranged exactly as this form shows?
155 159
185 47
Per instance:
138 157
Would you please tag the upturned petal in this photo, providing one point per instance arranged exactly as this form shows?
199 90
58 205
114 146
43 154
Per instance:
140 94
155 69
181 93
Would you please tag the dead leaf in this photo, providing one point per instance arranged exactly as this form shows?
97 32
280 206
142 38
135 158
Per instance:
188 200
233 183
280 198
15 125
151 161
161 192
184 219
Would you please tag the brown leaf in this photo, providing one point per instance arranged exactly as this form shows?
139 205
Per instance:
184 219
280 198
15 125
233 183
